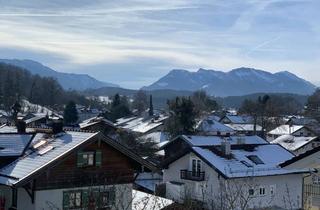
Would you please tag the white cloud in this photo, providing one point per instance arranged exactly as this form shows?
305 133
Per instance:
179 33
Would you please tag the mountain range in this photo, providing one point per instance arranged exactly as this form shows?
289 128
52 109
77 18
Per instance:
66 80
237 82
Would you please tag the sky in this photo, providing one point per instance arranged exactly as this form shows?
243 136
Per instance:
135 42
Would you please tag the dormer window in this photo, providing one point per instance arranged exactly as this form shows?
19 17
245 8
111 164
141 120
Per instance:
255 159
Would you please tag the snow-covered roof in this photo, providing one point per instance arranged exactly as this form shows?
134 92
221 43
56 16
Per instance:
3 113
269 157
13 144
301 120
35 159
244 127
95 120
216 140
157 137
293 143
237 119
35 118
285 129
141 124
141 200
35 108
210 125
148 180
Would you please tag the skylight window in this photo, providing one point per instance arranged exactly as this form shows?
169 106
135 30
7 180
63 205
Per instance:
246 163
255 159
39 144
45 150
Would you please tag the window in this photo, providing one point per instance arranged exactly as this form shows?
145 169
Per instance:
255 159
89 159
89 199
272 190
107 198
72 199
196 167
316 179
262 191
251 192
301 133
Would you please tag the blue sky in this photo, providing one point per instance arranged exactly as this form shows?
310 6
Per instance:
133 43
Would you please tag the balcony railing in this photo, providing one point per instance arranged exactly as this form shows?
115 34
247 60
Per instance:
192 175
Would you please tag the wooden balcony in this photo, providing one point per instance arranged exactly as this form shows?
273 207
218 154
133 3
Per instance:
192 175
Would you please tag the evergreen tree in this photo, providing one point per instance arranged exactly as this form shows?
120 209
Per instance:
119 108
151 107
70 114
182 119
16 108
116 101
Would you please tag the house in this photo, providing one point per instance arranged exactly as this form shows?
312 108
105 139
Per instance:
297 144
236 119
309 159
295 130
246 129
67 170
98 124
182 143
233 175
211 127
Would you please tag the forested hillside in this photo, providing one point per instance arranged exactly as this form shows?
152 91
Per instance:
16 83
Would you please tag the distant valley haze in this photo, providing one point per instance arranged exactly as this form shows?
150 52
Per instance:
134 43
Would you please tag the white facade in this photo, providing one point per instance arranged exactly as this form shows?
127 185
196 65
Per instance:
53 199
279 190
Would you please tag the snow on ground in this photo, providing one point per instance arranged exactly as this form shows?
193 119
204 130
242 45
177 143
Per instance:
144 201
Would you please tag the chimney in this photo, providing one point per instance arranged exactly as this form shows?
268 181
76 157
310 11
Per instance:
226 147
21 126
57 126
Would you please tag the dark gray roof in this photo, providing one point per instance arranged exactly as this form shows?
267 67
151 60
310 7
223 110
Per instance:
13 144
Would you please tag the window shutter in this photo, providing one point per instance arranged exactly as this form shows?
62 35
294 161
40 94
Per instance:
98 158
65 200
112 196
85 199
96 196
80 159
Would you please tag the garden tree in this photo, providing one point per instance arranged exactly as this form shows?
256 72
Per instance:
203 103
151 106
182 117
267 110
119 108
256 109
70 114
143 147
140 101
313 105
